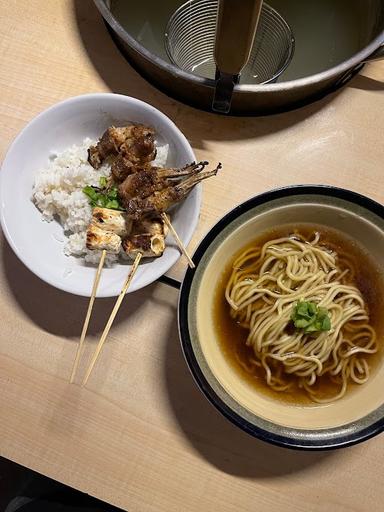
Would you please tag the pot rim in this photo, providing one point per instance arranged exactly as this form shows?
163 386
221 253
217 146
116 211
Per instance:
337 437
330 73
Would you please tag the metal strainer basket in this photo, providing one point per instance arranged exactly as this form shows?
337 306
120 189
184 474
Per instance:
190 42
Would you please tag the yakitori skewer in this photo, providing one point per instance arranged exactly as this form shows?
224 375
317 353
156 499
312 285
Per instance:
88 316
112 317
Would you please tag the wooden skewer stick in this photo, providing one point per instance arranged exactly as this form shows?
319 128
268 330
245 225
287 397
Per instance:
88 316
182 247
112 317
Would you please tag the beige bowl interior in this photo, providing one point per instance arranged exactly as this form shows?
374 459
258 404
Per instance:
353 221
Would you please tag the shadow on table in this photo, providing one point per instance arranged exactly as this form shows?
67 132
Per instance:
367 83
215 438
56 311
21 487
120 77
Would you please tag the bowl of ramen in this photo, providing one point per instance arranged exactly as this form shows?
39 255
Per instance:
281 321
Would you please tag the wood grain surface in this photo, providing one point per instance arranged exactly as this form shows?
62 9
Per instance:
141 435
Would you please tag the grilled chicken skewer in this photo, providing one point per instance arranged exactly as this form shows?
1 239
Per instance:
150 246
139 146
135 142
108 145
153 190
98 239
111 220
123 168
147 236
160 201
152 224
104 233
105 230
143 183
144 190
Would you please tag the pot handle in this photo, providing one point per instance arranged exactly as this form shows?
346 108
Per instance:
378 54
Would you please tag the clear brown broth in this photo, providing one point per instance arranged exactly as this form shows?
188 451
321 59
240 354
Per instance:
368 279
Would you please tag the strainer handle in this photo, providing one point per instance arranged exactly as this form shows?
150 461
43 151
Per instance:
235 32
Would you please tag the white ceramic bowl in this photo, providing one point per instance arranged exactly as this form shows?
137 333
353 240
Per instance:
36 242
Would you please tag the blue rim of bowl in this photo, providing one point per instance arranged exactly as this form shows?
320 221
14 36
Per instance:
298 442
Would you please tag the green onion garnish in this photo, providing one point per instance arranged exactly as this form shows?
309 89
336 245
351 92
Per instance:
104 198
311 318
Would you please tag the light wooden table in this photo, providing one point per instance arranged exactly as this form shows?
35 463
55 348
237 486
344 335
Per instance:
141 436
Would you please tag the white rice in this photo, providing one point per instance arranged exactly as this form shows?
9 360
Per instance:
57 192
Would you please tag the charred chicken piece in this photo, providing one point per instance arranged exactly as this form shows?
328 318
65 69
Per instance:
111 220
144 183
160 201
136 142
98 239
122 167
109 144
106 228
150 246
147 236
139 146
152 224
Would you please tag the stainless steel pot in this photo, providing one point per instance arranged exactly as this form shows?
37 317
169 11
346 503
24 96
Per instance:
249 99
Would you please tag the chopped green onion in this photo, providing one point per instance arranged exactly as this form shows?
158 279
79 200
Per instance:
113 204
103 182
91 193
311 318
106 198
112 192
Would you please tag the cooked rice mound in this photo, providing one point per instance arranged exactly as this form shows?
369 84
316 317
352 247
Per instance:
57 193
